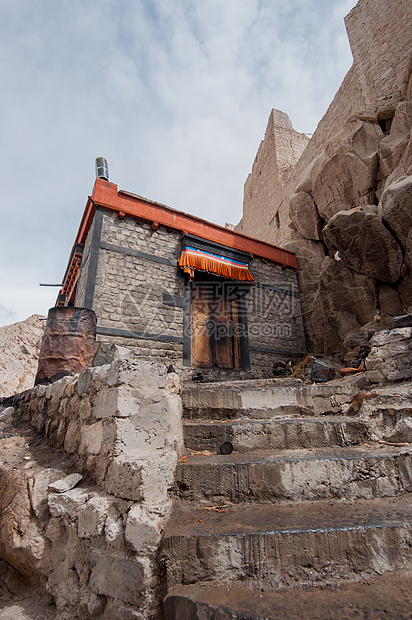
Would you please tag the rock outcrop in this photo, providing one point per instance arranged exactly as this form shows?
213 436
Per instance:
366 212
363 235
342 183
346 207
364 245
19 352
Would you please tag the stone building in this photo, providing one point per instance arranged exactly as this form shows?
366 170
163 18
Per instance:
175 288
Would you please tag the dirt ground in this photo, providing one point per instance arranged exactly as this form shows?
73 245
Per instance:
19 600
27 609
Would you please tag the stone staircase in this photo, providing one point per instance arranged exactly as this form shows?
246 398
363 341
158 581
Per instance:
302 516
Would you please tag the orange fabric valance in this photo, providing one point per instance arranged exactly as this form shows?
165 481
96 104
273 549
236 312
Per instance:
193 258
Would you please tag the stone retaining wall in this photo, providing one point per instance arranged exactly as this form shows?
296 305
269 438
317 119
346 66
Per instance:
94 546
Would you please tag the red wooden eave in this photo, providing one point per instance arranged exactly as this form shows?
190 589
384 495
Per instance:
106 195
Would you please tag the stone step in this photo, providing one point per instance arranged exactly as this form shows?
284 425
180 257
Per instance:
270 547
296 475
231 401
286 411
275 434
388 596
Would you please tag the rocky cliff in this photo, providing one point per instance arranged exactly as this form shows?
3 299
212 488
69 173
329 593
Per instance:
19 352
350 221
345 207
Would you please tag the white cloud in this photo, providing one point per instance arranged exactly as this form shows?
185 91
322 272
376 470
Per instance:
176 95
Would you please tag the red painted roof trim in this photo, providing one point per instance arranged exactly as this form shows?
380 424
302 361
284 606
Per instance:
106 195
86 222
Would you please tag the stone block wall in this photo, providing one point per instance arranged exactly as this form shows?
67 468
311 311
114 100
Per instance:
94 547
130 289
272 304
136 286
84 269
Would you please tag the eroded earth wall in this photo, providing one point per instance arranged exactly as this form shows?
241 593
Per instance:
345 206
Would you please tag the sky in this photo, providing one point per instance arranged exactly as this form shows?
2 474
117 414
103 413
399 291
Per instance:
175 94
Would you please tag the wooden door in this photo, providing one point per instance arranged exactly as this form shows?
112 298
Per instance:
223 334
200 327
213 337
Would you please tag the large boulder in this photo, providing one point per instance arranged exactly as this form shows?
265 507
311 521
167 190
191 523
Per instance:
364 245
344 182
360 137
393 146
307 175
404 167
344 302
305 216
396 209
22 542
310 255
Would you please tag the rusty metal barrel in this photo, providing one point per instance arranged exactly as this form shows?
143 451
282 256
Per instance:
68 343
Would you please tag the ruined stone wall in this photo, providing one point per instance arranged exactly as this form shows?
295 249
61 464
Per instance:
277 156
380 39
379 35
353 267
93 546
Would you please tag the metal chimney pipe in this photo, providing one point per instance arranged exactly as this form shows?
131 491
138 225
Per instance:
102 168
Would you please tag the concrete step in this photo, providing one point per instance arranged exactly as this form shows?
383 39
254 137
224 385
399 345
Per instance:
388 596
230 400
296 475
270 547
275 434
